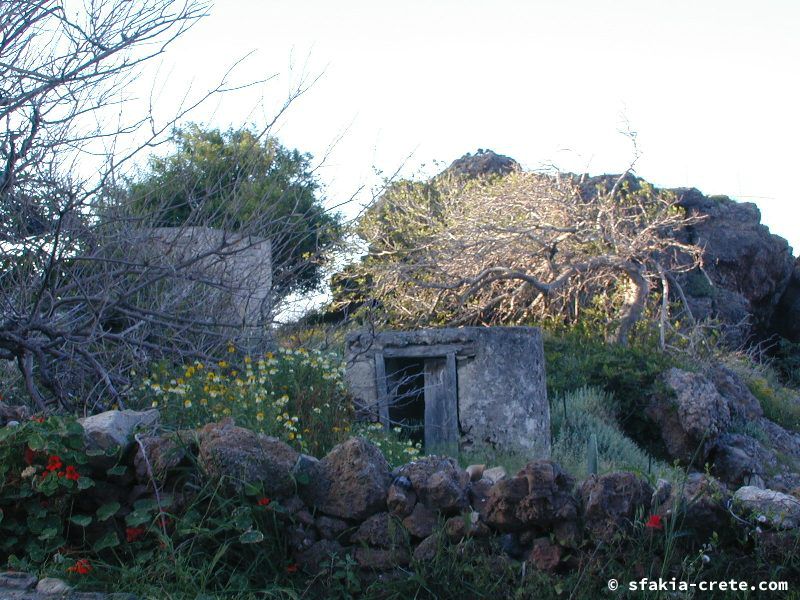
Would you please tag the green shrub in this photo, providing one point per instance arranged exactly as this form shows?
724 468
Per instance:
295 395
577 416
786 360
780 404
629 374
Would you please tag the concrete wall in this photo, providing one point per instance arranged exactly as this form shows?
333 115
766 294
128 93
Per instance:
501 387
234 272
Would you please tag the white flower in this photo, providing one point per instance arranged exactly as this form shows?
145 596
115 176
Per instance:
28 472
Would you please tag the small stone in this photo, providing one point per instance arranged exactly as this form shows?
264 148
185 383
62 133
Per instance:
439 483
15 580
293 505
381 530
421 522
52 585
304 517
379 559
401 499
427 549
495 474
475 472
479 495
302 538
545 555
330 528
465 526
318 556
509 543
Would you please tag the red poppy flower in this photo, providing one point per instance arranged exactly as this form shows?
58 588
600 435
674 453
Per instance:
81 567
164 520
292 568
38 419
134 533
72 473
654 522
29 457
264 501
54 463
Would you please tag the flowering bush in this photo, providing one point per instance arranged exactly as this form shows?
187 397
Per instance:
43 470
397 449
296 395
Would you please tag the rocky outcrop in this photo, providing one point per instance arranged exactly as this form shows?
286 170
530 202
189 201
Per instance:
741 402
740 255
692 417
786 318
750 281
482 164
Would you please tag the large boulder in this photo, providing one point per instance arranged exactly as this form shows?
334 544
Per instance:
692 417
775 509
540 495
739 459
549 499
240 456
115 428
351 482
438 482
611 501
741 401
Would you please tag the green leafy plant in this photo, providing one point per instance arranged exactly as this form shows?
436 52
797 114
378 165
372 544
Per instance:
43 474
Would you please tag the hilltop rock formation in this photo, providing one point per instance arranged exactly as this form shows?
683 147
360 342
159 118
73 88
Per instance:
749 267
749 279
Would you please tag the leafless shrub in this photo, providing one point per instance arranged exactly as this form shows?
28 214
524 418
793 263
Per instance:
522 248
91 285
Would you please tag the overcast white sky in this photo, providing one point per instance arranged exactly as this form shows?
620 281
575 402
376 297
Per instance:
711 87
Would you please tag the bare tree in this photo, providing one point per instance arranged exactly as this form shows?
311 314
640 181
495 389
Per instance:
523 247
91 285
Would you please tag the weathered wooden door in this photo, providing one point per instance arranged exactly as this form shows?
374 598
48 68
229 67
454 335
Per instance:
441 406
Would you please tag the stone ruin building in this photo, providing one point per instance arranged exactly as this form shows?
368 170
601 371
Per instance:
474 390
